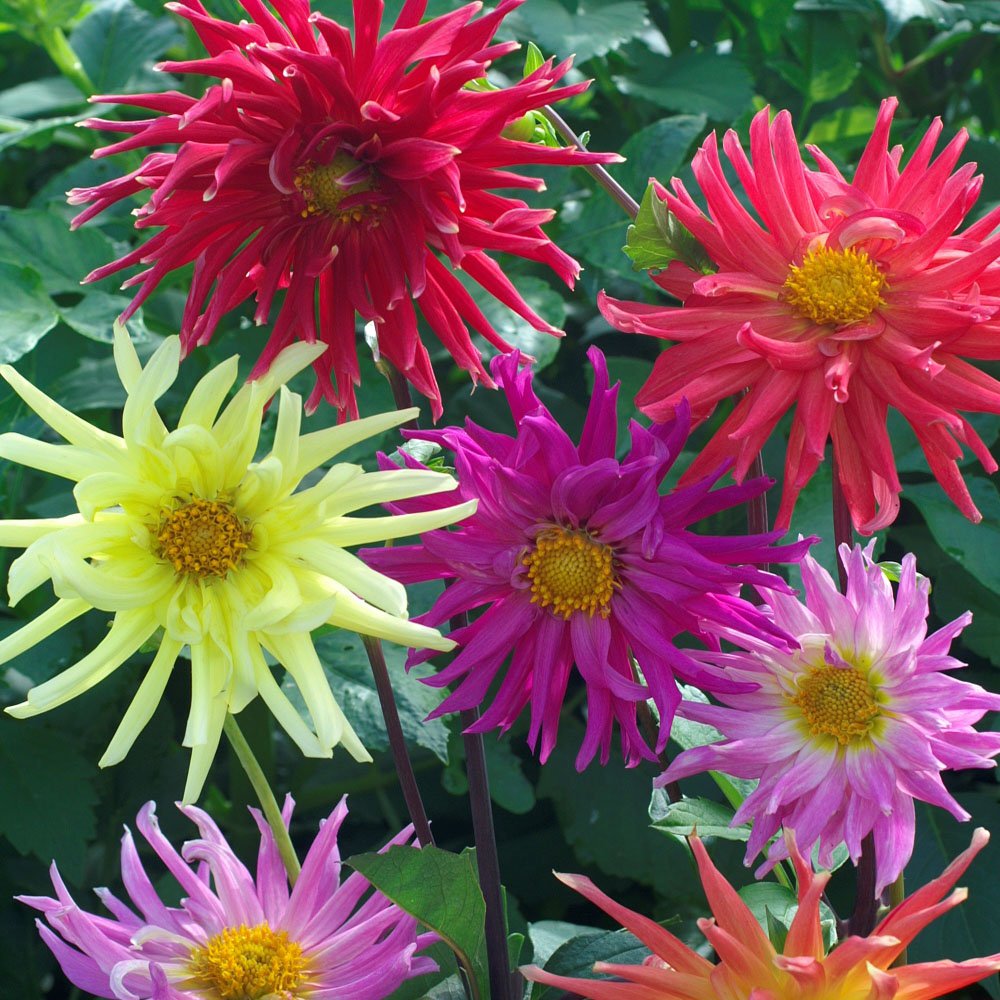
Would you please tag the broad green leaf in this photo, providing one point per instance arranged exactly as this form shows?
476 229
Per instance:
973 546
548 303
971 929
39 97
701 816
577 956
46 796
696 83
26 311
657 237
591 28
94 316
117 38
442 891
14 131
42 240
547 936
509 788
775 905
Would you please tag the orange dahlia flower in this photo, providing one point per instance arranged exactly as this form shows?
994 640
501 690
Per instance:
749 967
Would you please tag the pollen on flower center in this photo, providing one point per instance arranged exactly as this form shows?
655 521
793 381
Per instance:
203 538
836 287
571 572
837 702
324 192
247 963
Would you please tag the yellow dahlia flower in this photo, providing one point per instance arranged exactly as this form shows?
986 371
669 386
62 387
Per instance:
183 531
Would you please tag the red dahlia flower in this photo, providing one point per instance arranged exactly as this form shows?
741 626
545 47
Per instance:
840 298
353 173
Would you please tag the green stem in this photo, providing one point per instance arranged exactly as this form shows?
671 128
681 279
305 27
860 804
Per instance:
266 797
897 893
61 53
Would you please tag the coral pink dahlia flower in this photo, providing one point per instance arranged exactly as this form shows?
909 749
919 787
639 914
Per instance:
235 936
749 966
840 298
581 562
352 173
846 731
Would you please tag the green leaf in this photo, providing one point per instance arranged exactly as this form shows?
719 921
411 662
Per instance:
658 150
441 890
26 311
42 240
697 83
533 58
577 956
346 666
972 929
14 131
701 816
117 39
547 302
46 797
774 906
973 546
94 316
39 97
591 28
657 237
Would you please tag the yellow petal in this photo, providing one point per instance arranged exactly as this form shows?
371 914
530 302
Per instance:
387 487
141 424
209 394
209 682
143 705
364 530
202 754
65 460
20 534
39 628
283 710
352 613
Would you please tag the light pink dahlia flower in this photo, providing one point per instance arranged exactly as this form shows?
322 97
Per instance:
580 562
350 172
840 298
846 731
235 936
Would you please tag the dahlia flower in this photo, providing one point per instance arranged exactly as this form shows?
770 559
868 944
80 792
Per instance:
846 731
859 968
235 936
182 531
582 563
840 298
353 173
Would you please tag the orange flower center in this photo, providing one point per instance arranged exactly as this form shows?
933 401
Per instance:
247 963
323 190
837 287
570 572
203 538
837 702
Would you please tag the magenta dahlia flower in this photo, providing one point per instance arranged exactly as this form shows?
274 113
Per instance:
838 298
581 562
846 731
351 173
235 936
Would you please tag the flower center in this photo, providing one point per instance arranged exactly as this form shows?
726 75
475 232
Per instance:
247 963
837 702
204 537
324 189
571 572
835 286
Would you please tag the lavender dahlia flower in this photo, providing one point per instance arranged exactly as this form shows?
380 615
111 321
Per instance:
581 562
846 731
235 937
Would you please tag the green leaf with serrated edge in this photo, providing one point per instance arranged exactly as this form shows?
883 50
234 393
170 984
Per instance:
972 546
95 314
701 816
441 890
26 311
577 956
46 796
657 237
972 929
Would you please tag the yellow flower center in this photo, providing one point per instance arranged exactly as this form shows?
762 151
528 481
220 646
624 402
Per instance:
836 287
247 963
570 572
320 187
204 537
837 702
